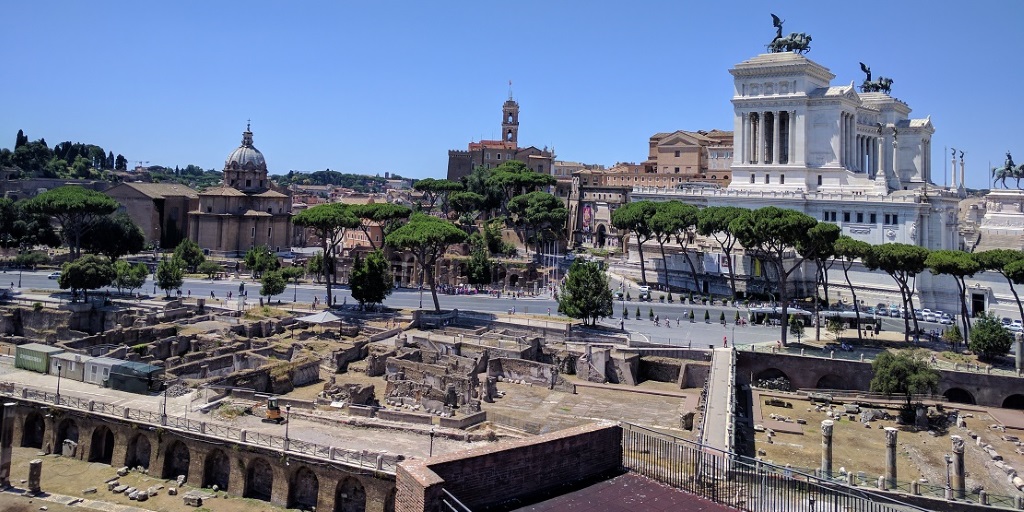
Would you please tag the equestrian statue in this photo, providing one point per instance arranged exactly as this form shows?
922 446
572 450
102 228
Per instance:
1008 170
883 84
794 42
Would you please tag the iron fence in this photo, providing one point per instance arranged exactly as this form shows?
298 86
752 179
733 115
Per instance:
742 482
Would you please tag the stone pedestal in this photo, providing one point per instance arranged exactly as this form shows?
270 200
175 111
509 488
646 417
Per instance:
957 481
826 448
35 474
890 456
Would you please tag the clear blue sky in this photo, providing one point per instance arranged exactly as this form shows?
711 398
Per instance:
380 86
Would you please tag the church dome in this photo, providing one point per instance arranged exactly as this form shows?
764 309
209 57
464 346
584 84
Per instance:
246 156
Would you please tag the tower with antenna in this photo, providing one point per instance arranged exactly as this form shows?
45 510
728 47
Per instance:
510 120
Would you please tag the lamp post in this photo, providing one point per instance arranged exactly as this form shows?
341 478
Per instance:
295 290
21 268
421 288
163 411
58 385
431 454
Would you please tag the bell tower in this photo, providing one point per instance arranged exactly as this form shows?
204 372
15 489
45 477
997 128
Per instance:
510 120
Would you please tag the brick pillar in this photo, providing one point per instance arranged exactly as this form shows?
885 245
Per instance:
196 467
236 479
84 440
326 487
282 481
50 434
121 438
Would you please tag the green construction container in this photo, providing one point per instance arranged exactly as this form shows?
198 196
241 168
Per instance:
34 356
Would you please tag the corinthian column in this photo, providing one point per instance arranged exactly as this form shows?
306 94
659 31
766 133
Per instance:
890 456
826 448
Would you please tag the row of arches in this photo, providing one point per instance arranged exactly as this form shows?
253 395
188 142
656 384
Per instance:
258 474
832 381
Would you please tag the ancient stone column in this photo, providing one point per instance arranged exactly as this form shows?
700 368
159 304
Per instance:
890 456
35 473
1019 357
957 481
826 449
6 443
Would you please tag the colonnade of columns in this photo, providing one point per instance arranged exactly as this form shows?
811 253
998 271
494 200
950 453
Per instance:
859 153
768 137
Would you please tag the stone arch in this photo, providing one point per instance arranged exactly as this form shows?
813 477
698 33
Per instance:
67 430
259 480
216 470
176 460
350 496
138 453
959 395
602 234
33 430
513 280
773 378
304 489
101 445
1015 401
831 381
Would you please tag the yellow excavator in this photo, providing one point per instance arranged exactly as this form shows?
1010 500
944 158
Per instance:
274 412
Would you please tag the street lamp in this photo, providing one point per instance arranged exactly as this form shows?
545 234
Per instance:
58 382
21 268
295 290
431 442
163 413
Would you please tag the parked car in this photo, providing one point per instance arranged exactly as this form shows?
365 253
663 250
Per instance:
1013 328
945 319
1006 320
1018 323
55 275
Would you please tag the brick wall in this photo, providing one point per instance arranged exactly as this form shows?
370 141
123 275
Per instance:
488 475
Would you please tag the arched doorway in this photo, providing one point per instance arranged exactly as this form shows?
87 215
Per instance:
831 381
773 378
32 433
138 452
304 489
259 480
101 446
216 470
67 430
1014 402
351 497
176 460
513 280
959 395
602 234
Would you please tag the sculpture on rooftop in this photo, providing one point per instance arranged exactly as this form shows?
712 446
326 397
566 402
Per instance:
1008 170
794 42
883 84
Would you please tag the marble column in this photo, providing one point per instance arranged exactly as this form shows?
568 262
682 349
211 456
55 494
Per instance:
826 448
1018 357
776 122
741 143
957 481
842 140
35 474
954 171
890 456
763 141
791 150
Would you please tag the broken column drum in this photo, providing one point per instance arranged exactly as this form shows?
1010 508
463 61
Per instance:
35 473
826 448
890 456
958 483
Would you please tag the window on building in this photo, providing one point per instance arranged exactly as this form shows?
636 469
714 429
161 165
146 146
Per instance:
752 178
833 216
860 217
499 156
261 183
677 153
248 183
782 179
891 219
254 232
209 209
232 183
767 178
846 216
819 179
874 218
270 232
487 156
677 170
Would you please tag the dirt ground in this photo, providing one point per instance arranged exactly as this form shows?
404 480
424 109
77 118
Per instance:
919 453
69 477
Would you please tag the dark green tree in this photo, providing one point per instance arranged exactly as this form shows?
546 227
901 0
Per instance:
478 268
292 275
902 262
120 163
848 250
20 140
129 277
385 216
86 273
170 275
820 247
272 283
190 253
427 238
774 233
436 192
478 183
585 294
77 209
635 218
371 279
115 236
514 178
328 222
1009 263
674 219
959 265
466 205
903 373
315 266
208 267
988 338
261 259
540 216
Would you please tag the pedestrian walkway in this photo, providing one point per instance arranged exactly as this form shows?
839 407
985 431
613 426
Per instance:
717 430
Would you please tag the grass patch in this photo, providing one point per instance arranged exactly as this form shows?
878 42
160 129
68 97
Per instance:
956 358
229 411
260 313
